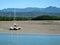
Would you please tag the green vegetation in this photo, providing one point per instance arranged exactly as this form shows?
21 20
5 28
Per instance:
43 17
46 17
16 18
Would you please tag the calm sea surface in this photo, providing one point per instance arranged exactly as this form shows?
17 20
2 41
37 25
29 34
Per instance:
29 39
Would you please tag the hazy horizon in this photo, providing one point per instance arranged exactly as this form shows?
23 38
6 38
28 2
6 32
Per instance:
28 3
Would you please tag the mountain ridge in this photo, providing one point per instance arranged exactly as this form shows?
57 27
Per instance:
50 9
30 11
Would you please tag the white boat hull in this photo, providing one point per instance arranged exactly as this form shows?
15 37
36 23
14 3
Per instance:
15 28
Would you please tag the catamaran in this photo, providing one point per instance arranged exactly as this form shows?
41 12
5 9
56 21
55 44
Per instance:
14 27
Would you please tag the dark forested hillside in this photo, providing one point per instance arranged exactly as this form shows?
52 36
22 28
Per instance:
43 17
27 14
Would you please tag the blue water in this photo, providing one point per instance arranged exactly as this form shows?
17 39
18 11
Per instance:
29 39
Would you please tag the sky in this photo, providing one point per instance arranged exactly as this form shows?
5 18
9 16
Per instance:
28 3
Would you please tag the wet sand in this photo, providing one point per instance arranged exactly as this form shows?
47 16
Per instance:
31 27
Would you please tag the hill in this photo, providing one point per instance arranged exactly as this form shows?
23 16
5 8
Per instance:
30 11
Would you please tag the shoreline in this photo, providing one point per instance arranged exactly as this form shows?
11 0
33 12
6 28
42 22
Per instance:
32 27
29 33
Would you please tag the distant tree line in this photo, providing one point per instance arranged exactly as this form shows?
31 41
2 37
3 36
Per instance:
16 18
46 17
43 17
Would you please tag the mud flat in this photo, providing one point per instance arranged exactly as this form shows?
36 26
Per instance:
32 27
